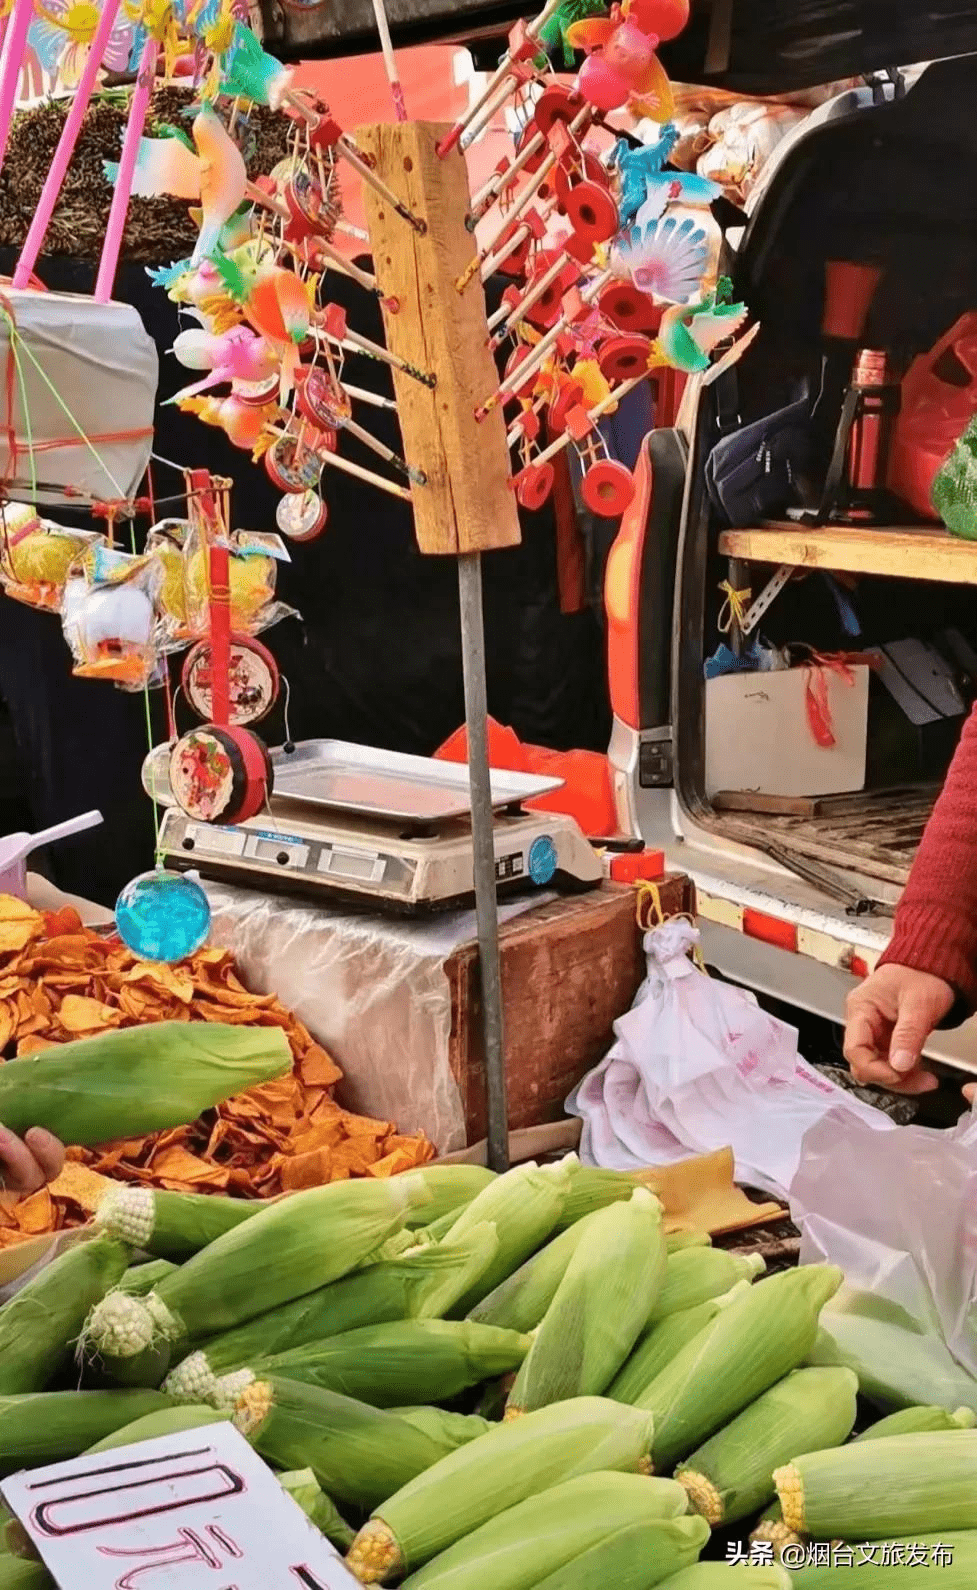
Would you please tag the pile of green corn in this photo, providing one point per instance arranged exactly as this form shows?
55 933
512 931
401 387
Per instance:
467 1379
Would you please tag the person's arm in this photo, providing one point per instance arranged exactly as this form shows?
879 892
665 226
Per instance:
30 1163
928 974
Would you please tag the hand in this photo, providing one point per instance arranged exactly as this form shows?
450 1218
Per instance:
28 1165
889 1018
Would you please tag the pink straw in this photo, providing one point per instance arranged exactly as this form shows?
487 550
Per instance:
112 247
10 68
54 181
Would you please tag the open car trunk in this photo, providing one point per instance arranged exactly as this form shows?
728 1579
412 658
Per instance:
882 187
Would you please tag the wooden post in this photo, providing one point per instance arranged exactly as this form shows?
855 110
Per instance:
466 503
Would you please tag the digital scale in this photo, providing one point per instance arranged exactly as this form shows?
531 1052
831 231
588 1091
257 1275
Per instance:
383 829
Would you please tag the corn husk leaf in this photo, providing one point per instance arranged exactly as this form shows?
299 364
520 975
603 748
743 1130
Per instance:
865 1491
694 1275
529 1542
41 1323
731 1476
658 1346
600 1309
165 1421
749 1346
450 1430
513 1461
51 1426
634 1557
524 1205
521 1300
427 1360
303 1487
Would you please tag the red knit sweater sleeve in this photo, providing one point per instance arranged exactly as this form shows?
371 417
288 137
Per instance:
936 922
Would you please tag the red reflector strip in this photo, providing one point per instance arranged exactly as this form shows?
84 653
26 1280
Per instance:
770 930
644 865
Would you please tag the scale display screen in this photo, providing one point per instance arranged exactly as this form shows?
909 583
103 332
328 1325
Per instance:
351 864
226 841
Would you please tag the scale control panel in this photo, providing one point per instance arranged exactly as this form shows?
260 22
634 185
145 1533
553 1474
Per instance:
268 851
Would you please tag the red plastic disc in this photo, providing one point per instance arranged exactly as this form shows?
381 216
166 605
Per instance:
622 358
567 398
220 775
534 162
607 488
533 485
515 263
567 177
629 309
556 103
302 516
253 680
592 212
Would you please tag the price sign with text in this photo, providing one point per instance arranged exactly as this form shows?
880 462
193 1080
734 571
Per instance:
197 1511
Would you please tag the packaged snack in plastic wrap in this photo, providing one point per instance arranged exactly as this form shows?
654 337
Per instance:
166 543
109 617
36 554
252 574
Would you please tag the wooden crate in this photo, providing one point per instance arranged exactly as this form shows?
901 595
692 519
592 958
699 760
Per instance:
569 969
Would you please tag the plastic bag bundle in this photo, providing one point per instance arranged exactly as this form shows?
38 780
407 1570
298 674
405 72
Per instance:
36 555
108 614
252 576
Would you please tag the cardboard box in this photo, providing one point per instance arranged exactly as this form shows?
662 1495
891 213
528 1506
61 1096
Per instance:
759 737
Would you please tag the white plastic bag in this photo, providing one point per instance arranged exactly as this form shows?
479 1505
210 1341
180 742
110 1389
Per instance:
897 1212
697 1066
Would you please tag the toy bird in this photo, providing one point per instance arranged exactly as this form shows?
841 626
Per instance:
236 355
212 170
250 71
647 190
687 336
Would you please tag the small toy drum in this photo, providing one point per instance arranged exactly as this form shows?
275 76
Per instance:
252 676
220 775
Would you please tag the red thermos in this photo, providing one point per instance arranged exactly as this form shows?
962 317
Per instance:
871 433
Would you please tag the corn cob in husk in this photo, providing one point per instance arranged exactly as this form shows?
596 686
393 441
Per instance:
290 1249
421 1286
600 1309
867 1491
680 1241
949 1563
723 1576
524 1206
140 1279
451 1188
526 1544
170 1225
450 1430
634 1557
592 1188
694 1275
165 1421
41 1323
917 1421
749 1346
138 1080
359 1454
731 1476
429 1360
658 1346
303 1487
521 1300
503 1468
51 1426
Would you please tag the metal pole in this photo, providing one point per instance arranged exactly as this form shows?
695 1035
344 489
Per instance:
483 844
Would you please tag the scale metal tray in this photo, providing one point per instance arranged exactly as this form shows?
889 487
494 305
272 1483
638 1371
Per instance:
338 776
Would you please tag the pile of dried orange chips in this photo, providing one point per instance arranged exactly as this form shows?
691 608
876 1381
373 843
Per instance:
60 980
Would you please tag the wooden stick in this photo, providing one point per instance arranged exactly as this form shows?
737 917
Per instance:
533 30
375 351
389 60
595 413
336 461
518 313
528 367
417 476
374 399
489 192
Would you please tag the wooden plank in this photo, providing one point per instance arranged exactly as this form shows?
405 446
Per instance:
467 504
569 969
905 553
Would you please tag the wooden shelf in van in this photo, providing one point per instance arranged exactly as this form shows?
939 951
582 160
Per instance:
905 552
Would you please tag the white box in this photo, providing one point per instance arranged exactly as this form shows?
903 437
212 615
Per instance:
759 738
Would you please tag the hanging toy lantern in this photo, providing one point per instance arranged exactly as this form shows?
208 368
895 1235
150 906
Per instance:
220 775
162 916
